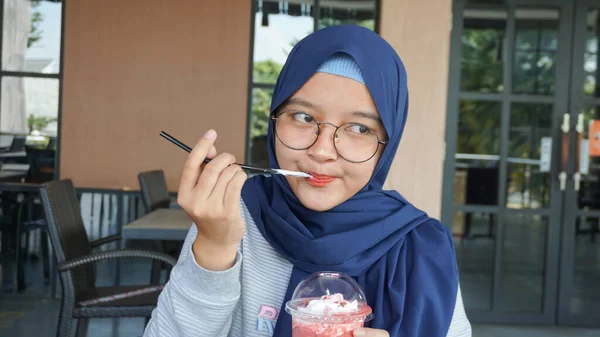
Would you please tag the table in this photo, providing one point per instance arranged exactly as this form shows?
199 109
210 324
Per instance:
15 167
19 187
12 176
161 224
13 172
18 154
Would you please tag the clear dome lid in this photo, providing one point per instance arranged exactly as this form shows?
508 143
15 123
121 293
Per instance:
329 296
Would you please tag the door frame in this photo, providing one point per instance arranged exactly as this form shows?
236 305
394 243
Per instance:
560 102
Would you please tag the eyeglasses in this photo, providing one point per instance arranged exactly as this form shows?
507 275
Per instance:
354 142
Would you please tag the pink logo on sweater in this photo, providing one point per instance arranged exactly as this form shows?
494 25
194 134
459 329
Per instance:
267 316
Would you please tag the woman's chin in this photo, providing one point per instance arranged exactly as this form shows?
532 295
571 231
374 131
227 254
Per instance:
316 198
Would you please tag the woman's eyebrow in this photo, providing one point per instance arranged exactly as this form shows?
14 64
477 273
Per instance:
368 114
300 101
361 113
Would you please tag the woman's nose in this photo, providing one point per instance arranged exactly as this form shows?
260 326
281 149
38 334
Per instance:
324 149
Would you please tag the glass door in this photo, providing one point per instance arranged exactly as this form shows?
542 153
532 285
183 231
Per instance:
503 190
579 295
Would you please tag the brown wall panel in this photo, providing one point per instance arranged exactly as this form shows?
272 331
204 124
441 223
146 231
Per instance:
420 33
133 68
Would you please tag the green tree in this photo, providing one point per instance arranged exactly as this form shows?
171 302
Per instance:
482 70
261 103
481 62
263 72
266 71
482 67
35 33
328 22
39 122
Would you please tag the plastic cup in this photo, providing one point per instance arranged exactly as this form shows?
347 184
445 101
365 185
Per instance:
328 304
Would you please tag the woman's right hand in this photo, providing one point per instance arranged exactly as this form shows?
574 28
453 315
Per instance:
210 195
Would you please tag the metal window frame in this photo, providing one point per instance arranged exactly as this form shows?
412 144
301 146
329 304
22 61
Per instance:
315 11
58 76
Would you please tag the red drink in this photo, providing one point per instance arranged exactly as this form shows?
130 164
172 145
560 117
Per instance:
328 304
323 330
334 325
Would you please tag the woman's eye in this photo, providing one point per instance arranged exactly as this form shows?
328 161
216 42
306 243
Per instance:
303 117
359 129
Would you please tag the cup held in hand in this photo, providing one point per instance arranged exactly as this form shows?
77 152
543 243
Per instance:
328 304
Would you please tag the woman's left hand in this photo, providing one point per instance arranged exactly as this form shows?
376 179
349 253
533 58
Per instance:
366 332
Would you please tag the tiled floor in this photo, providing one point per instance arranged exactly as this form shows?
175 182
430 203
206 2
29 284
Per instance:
484 330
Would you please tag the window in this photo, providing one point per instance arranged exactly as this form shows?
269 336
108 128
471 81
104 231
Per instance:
30 77
278 26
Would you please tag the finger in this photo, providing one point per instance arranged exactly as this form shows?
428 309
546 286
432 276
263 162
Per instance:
211 154
218 192
210 174
233 194
191 168
367 332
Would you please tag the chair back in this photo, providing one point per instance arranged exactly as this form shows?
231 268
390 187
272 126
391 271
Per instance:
51 144
482 186
18 143
155 193
67 232
41 165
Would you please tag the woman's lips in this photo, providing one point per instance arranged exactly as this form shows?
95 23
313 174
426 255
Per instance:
319 180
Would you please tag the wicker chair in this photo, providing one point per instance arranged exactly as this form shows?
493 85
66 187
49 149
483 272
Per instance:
155 193
81 298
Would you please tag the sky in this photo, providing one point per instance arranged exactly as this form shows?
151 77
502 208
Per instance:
270 42
48 47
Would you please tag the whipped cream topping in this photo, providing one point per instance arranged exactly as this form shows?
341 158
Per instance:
330 304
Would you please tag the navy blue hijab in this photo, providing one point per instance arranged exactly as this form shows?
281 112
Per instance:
403 259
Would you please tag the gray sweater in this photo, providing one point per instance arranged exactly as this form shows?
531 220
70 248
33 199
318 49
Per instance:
241 301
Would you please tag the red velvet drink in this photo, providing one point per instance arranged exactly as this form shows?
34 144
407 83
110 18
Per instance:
328 305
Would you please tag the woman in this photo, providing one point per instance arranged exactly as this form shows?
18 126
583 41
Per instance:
338 112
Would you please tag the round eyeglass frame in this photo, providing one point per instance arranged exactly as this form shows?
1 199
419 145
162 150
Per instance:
274 118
